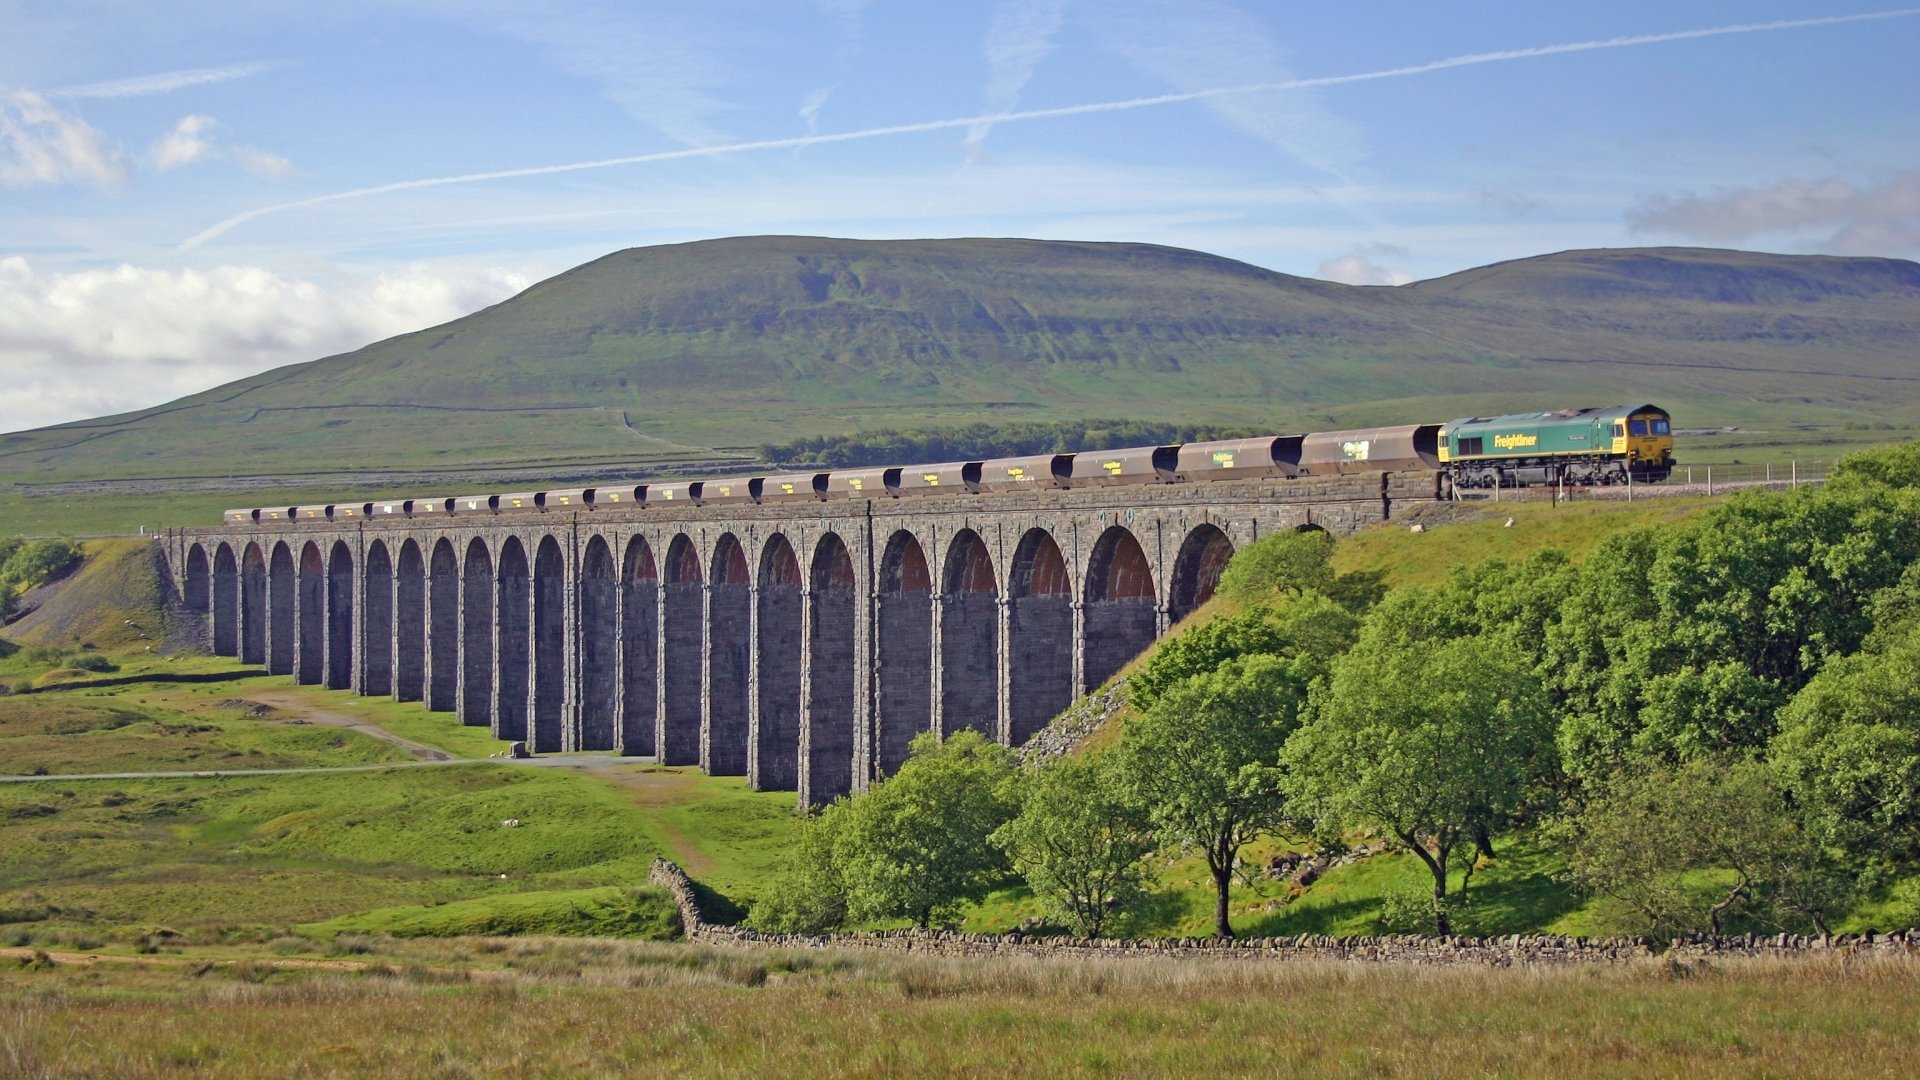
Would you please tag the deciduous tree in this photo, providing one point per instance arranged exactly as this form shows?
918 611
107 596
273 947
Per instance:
1687 847
918 844
1434 742
1079 839
1202 759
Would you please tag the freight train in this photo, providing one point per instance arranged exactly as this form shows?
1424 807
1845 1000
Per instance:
1629 443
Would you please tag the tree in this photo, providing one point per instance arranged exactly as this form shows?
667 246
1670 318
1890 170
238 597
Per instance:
37 562
1889 466
808 895
1849 746
1688 847
1202 758
1683 642
1202 649
1293 562
1309 627
1433 742
917 845
1079 839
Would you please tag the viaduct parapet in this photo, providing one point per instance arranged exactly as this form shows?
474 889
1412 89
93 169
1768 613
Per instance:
802 645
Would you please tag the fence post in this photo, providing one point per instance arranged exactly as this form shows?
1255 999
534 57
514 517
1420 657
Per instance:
1796 472
1709 479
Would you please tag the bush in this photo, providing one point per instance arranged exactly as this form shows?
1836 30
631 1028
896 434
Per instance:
37 562
1284 562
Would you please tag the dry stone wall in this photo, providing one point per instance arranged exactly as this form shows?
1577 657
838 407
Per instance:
1517 950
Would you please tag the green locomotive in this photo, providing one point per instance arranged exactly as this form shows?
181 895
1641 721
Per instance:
1575 446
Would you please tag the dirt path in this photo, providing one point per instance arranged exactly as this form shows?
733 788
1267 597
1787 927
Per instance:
302 709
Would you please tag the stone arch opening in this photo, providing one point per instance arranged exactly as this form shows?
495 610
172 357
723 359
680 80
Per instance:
830 690
340 616
476 636
310 643
547 725
969 638
193 584
514 627
903 649
253 606
195 594
442 689
1120 616
639 649
1039 636
1196 570
409 624
599 647
377 639
776 736
686 636
225 602
723 743
282 610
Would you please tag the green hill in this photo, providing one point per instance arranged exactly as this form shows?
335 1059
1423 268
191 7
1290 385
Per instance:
678 353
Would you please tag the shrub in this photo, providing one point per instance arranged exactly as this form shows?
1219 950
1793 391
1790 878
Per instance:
37 562
1282 562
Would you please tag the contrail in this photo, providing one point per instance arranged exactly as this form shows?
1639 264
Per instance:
1468 60
164 83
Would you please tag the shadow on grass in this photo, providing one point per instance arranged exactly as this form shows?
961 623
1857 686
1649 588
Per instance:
152 678
716 906
1520 893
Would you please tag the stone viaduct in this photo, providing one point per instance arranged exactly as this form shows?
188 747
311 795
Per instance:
802 645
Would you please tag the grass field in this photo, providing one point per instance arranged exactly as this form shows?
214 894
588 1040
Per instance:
474 1008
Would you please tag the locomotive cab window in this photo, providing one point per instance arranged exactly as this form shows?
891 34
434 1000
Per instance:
1473 445
1619 431
1660 426
1638 426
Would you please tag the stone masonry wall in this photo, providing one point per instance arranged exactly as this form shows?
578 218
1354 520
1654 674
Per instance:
986 611
1516 950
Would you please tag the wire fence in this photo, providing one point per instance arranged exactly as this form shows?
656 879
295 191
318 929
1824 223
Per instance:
1703 479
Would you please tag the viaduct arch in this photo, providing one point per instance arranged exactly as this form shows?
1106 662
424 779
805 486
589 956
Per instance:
802 645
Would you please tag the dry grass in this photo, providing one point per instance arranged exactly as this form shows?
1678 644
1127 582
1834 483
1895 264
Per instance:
603 1008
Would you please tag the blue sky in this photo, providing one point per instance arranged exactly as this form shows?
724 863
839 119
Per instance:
192 192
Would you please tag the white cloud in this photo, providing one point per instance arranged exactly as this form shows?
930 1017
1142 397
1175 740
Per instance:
1019 38
93 342
184 145
1854 219
193 140
263 163
1360 270
39 144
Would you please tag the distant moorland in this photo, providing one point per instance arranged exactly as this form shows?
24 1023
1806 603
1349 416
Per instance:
696 355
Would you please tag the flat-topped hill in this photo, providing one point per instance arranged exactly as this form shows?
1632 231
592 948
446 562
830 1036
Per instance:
655 354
